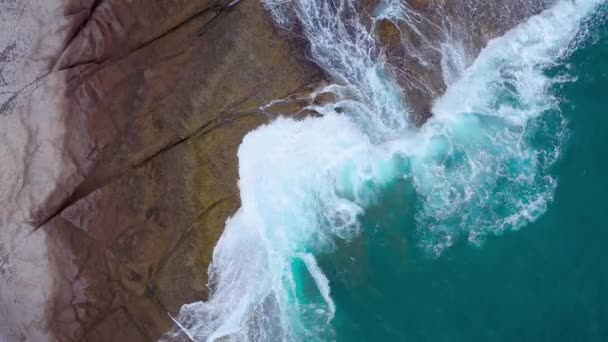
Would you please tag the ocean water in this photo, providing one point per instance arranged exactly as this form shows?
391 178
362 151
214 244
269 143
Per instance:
547 281
486 224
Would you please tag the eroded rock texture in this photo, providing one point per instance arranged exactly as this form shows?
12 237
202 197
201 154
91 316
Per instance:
122 152
119 125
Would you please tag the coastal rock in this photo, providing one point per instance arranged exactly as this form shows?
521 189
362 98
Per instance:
124 157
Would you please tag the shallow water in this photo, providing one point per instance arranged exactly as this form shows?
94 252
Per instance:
485 224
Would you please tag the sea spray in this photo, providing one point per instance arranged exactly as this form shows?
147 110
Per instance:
346 49
295 201
481 173
305 183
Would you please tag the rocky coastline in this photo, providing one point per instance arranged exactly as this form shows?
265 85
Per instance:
119 127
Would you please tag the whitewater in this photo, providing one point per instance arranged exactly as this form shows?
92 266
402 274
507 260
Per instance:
475 165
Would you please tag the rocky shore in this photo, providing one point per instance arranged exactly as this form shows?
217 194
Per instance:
122 157
119 126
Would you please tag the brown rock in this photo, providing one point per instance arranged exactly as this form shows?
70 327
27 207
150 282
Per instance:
164 122
324 98
388 34
155 98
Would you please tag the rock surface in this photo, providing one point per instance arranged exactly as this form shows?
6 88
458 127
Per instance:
123 146
119 126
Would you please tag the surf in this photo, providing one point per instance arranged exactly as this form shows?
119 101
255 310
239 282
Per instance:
304 184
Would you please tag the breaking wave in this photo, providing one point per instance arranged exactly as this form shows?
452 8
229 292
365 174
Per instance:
477 165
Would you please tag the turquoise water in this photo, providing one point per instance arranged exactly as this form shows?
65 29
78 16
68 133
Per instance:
545 282
485 224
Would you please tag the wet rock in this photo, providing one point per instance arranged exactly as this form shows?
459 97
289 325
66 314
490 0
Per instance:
388 35
418 42
324 98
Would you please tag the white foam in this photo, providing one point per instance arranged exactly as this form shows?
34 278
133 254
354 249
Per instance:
303 184
486 117
291 179
321 281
